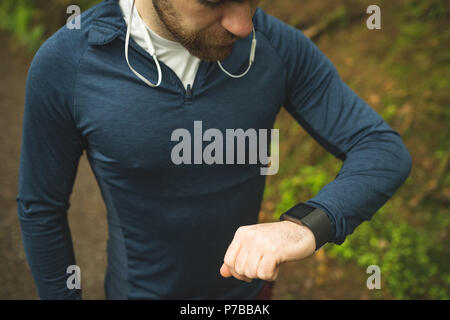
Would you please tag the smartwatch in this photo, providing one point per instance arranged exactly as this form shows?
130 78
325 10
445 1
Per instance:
314 218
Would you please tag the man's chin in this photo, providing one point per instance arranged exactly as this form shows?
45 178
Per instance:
218 53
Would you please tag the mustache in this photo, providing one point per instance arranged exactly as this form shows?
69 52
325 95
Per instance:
216 38
228 36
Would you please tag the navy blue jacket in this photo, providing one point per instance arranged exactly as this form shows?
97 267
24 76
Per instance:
170 225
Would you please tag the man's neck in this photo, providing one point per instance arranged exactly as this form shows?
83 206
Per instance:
150 17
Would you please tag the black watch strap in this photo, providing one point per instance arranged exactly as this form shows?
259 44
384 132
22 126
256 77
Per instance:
314 218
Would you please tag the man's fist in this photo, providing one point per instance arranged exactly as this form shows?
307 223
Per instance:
258 250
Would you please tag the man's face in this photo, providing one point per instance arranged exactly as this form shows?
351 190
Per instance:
207 28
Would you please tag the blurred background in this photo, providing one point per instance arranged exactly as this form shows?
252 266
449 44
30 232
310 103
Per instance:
402 71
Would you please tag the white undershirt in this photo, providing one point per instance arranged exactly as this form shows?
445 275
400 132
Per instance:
172 53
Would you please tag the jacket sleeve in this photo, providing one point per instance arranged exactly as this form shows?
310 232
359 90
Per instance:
375 160
50 151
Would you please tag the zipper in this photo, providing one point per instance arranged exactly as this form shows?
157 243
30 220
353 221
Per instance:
188 94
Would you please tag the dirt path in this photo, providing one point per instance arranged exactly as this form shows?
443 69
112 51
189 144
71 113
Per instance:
15 278
86 215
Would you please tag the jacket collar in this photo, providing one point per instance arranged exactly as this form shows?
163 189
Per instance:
107 24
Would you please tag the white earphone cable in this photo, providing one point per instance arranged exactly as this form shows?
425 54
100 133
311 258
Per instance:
153 54
250 62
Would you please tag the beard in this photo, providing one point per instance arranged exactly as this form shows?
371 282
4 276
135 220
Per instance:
202 44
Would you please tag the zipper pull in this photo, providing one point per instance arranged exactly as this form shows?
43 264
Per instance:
188 90
188 95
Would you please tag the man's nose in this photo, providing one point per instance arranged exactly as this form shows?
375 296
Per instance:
237 19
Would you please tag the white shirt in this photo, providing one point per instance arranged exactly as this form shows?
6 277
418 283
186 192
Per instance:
172 53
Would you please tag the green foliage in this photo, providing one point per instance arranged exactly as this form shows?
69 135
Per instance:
389 112
17 18
305 184
409 244
26 19
411 247
430 9
412 259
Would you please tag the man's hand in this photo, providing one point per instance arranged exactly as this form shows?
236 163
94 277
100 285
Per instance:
258 250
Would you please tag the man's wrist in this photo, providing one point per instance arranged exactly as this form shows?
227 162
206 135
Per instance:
314 218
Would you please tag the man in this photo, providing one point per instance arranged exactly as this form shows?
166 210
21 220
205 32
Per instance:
138 70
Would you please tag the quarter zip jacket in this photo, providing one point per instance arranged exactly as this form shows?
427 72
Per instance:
170 225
